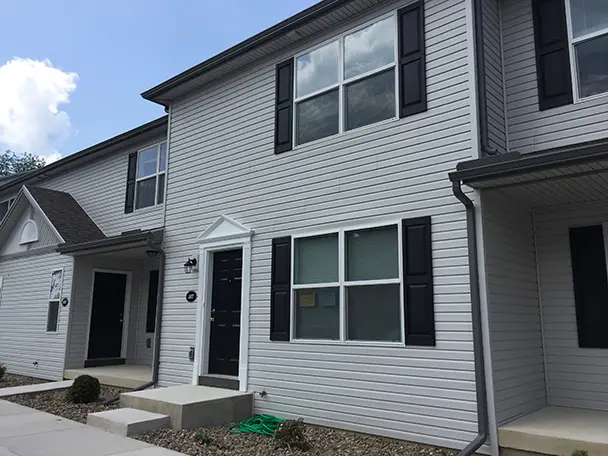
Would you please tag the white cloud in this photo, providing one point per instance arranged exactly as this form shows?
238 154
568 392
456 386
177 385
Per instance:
31 92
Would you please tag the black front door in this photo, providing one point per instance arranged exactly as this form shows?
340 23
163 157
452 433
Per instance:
107 315
225 313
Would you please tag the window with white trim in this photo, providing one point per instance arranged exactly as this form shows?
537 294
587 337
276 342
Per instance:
347 83
150 177
5 206
347 285
55 293
588 24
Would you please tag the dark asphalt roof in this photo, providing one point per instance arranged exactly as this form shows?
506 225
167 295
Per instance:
66 215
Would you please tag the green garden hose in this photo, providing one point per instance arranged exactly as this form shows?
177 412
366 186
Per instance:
259 424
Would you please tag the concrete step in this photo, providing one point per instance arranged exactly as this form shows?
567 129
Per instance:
191 406
128 421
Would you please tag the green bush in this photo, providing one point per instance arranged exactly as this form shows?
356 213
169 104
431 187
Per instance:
202 438
290 434
580 453
2 371
84 390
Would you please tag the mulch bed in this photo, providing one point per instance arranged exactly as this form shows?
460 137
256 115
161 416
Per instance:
323 441
56 403
10 380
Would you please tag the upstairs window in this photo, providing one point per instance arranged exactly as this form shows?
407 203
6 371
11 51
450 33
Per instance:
588 23
150 177
346 83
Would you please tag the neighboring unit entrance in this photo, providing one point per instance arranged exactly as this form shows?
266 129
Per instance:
225 313
107 317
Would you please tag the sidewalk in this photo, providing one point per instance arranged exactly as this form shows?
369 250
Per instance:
29 432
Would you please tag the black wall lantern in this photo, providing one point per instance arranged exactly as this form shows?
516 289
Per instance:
190 265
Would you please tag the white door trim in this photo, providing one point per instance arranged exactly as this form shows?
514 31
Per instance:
215 239
126 311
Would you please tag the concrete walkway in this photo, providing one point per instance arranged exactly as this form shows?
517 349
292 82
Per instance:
37 388
28 432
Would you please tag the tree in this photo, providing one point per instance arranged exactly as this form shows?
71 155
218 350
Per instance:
12 163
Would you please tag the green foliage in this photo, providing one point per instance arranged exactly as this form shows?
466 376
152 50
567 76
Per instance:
2 371
290 434
12 163
84 390
580 453
202 438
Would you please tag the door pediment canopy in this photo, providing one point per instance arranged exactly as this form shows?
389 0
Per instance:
223 229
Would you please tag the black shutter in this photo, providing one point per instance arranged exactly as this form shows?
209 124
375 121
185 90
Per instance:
418 282
152 300
590 285
283 123
131 173
412 65
552 53
280 289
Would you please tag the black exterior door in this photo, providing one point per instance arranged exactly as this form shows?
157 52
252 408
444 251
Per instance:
225 313
107 315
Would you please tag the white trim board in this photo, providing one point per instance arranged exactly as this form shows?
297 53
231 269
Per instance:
223 234
126 311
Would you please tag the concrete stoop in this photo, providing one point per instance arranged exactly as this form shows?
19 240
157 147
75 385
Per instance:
190 406
128 421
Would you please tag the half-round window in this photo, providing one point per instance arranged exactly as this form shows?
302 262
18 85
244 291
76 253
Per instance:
29 233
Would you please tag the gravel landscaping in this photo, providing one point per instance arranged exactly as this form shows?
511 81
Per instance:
56 403
10 380
323 442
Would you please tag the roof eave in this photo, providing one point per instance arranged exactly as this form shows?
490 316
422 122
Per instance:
121 242
157 94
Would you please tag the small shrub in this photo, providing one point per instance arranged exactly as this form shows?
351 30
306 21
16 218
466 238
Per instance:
202 438
290 434
580 453
84 390
2 371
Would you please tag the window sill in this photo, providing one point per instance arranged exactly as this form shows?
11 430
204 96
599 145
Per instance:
347 134
347 343
579 100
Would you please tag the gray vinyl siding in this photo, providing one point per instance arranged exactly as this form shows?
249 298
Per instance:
23 315
100 186
81 306
494 76
46 236
529 128
222 162
514 312
577 377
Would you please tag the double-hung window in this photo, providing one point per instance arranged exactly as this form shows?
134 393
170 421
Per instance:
150 178
347 285
588 23
346 83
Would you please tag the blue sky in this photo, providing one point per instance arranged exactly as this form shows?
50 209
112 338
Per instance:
118 49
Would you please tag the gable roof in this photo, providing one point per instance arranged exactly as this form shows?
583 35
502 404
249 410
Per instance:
126 139
67 216
308 23
62 213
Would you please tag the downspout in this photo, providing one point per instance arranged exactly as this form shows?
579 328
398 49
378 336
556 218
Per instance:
480 375
476 318
157 326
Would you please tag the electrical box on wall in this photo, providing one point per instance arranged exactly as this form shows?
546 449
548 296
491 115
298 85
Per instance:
191 354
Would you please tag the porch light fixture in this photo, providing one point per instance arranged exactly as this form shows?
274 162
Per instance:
189 265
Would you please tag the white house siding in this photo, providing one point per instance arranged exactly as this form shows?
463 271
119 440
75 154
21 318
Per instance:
100 187
23 315
46 236
81 306
494 76
512 294
577 377
222 161
530 129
